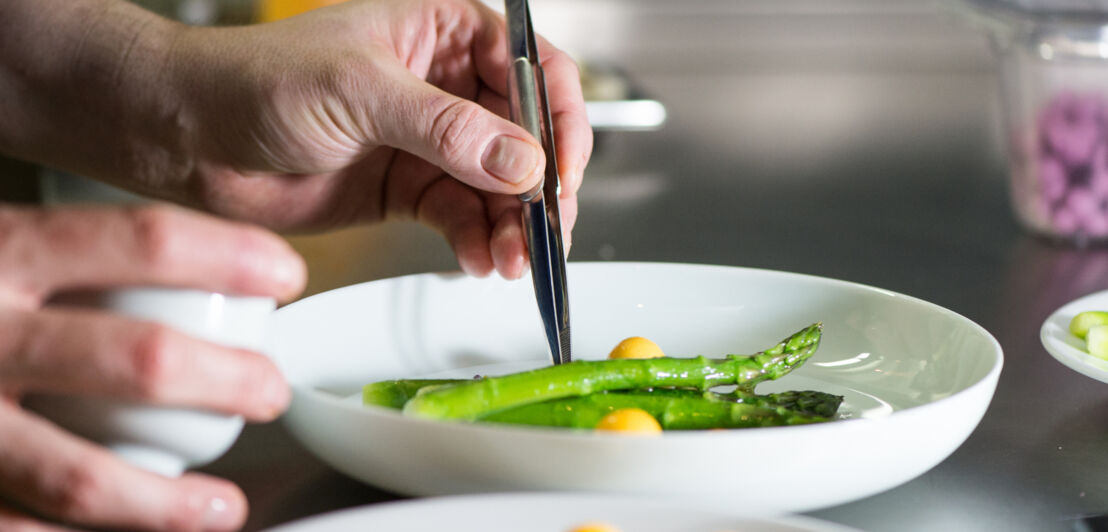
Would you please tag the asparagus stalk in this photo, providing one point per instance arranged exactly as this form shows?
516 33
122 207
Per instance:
394 393
472 400
806 402
674 410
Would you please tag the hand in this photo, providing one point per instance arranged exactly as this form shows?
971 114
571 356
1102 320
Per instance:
359 112
52 349
364 111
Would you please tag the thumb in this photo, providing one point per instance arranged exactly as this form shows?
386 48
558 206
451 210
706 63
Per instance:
466 140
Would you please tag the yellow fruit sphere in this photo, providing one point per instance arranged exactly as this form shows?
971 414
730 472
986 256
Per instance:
636 347
595 527
633 420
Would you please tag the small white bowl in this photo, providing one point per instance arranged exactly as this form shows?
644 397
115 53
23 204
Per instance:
916 380
165 440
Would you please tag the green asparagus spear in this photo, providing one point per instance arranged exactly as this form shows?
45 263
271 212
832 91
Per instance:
674 410
806 402
479 398
394 393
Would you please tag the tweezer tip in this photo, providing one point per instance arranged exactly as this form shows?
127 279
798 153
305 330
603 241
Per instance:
566 352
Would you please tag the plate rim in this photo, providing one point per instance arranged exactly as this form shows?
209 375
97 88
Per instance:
807 523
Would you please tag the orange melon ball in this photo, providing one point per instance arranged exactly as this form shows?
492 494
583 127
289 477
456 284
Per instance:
636 347
595 527
630 420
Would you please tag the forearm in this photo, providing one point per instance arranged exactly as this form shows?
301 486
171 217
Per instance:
84 87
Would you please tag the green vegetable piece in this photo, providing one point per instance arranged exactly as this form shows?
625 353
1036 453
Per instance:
475 399
394 393
677 409
1097 341
806 402
1082 322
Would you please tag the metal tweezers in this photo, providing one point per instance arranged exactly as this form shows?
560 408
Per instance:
541 218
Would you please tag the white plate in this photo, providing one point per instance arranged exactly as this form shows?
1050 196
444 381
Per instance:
916 377
548 513
1069 349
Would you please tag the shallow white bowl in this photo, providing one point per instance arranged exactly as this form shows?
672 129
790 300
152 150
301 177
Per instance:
917 378
1069 349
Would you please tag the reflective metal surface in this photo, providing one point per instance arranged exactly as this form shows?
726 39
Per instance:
851 139
542 228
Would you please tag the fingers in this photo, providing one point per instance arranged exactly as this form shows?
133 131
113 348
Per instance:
463 138
459 214
507 247
45 250
572 132
82 352
12 520
568 208
62 477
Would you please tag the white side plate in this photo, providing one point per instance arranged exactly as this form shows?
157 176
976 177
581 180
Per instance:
538 512
1069 349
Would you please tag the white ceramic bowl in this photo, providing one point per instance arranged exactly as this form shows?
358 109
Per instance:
165 440
916 377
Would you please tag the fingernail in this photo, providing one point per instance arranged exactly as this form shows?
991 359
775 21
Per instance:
510 159
218 515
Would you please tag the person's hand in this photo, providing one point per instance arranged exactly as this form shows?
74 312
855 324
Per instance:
49 474
358 112
364 111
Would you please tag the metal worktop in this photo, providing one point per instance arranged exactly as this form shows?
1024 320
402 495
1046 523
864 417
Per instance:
858 144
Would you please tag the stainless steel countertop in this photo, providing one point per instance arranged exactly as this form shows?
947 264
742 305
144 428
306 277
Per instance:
858 142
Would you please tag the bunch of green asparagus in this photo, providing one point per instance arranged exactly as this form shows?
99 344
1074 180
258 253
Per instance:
677 392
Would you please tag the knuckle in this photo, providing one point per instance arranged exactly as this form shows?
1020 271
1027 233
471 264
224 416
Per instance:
453 127
80 490
153 361
152 230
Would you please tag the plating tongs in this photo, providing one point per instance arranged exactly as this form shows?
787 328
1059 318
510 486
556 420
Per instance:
542 222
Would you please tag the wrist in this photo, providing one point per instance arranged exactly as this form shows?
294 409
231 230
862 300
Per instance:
85 89
133 98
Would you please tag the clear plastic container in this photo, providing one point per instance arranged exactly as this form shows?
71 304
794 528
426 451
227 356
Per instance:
1053 68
